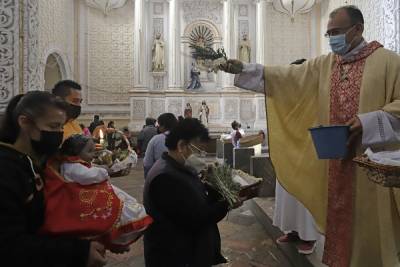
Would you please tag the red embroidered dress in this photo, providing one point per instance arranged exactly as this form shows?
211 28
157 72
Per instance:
344 101
88 211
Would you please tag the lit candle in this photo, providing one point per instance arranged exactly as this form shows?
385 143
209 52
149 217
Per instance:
101 137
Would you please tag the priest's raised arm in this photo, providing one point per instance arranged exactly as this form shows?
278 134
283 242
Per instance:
361 90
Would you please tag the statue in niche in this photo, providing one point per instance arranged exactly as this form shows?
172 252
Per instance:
201 36
195 77
203 113
200 42
188 111
158 54
244 49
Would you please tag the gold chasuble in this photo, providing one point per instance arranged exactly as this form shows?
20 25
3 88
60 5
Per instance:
359 218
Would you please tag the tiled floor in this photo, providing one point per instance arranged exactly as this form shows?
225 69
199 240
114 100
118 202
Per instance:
244 240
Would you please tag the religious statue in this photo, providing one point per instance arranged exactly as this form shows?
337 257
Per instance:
201 42
203 114
195 77
158 54
188 111
244 49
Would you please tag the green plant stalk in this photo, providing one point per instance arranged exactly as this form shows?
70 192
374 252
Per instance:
221 179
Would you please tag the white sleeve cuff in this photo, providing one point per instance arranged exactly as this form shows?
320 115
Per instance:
250 67
251 78
379 128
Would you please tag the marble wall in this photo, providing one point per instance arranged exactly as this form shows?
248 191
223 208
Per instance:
109 55
287 40
106 60
56 35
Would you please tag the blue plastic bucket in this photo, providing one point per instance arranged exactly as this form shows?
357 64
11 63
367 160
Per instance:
330 142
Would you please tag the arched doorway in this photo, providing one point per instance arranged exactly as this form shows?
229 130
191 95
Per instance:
52 72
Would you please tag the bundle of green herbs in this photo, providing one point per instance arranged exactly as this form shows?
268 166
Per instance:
213 58
221 179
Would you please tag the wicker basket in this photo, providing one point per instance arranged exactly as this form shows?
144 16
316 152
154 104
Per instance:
251 191
123 172
253 187
384 175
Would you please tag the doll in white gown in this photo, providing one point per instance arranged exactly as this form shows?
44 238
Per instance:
126 217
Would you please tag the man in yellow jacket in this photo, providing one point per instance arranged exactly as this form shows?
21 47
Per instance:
71 92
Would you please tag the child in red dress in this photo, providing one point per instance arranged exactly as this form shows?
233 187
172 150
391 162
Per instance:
80 200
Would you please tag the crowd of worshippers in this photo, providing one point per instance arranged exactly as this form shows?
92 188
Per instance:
59 209
97 128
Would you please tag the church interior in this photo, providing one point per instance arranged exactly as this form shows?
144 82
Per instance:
107 46
134 60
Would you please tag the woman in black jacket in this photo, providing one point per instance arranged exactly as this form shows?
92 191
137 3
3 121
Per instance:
185 212
31 131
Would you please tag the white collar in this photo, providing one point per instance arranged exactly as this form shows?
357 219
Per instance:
355 50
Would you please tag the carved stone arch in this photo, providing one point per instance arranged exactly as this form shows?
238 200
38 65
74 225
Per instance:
208 24
53 60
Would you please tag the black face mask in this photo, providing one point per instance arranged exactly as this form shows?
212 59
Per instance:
48 144
73 111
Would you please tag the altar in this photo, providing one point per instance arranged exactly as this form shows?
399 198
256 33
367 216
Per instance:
178 24
225 106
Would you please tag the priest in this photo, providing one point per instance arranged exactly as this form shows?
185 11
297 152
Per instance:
357 85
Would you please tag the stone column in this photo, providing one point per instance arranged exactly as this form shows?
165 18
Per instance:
174 57
229 39
261 29
261 54
139 57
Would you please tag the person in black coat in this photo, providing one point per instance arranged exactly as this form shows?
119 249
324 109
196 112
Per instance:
185 212
31 131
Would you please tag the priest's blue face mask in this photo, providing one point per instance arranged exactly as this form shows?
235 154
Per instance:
338 43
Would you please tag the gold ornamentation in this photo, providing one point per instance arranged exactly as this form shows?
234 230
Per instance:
88 198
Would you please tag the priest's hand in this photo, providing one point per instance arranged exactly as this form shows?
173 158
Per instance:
355 129
233 66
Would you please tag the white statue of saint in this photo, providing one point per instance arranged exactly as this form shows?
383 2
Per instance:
244 49
203 113
158 54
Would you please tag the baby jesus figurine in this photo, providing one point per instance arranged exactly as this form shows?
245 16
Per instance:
81 201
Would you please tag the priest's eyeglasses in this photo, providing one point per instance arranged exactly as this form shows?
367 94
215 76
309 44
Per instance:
337 31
